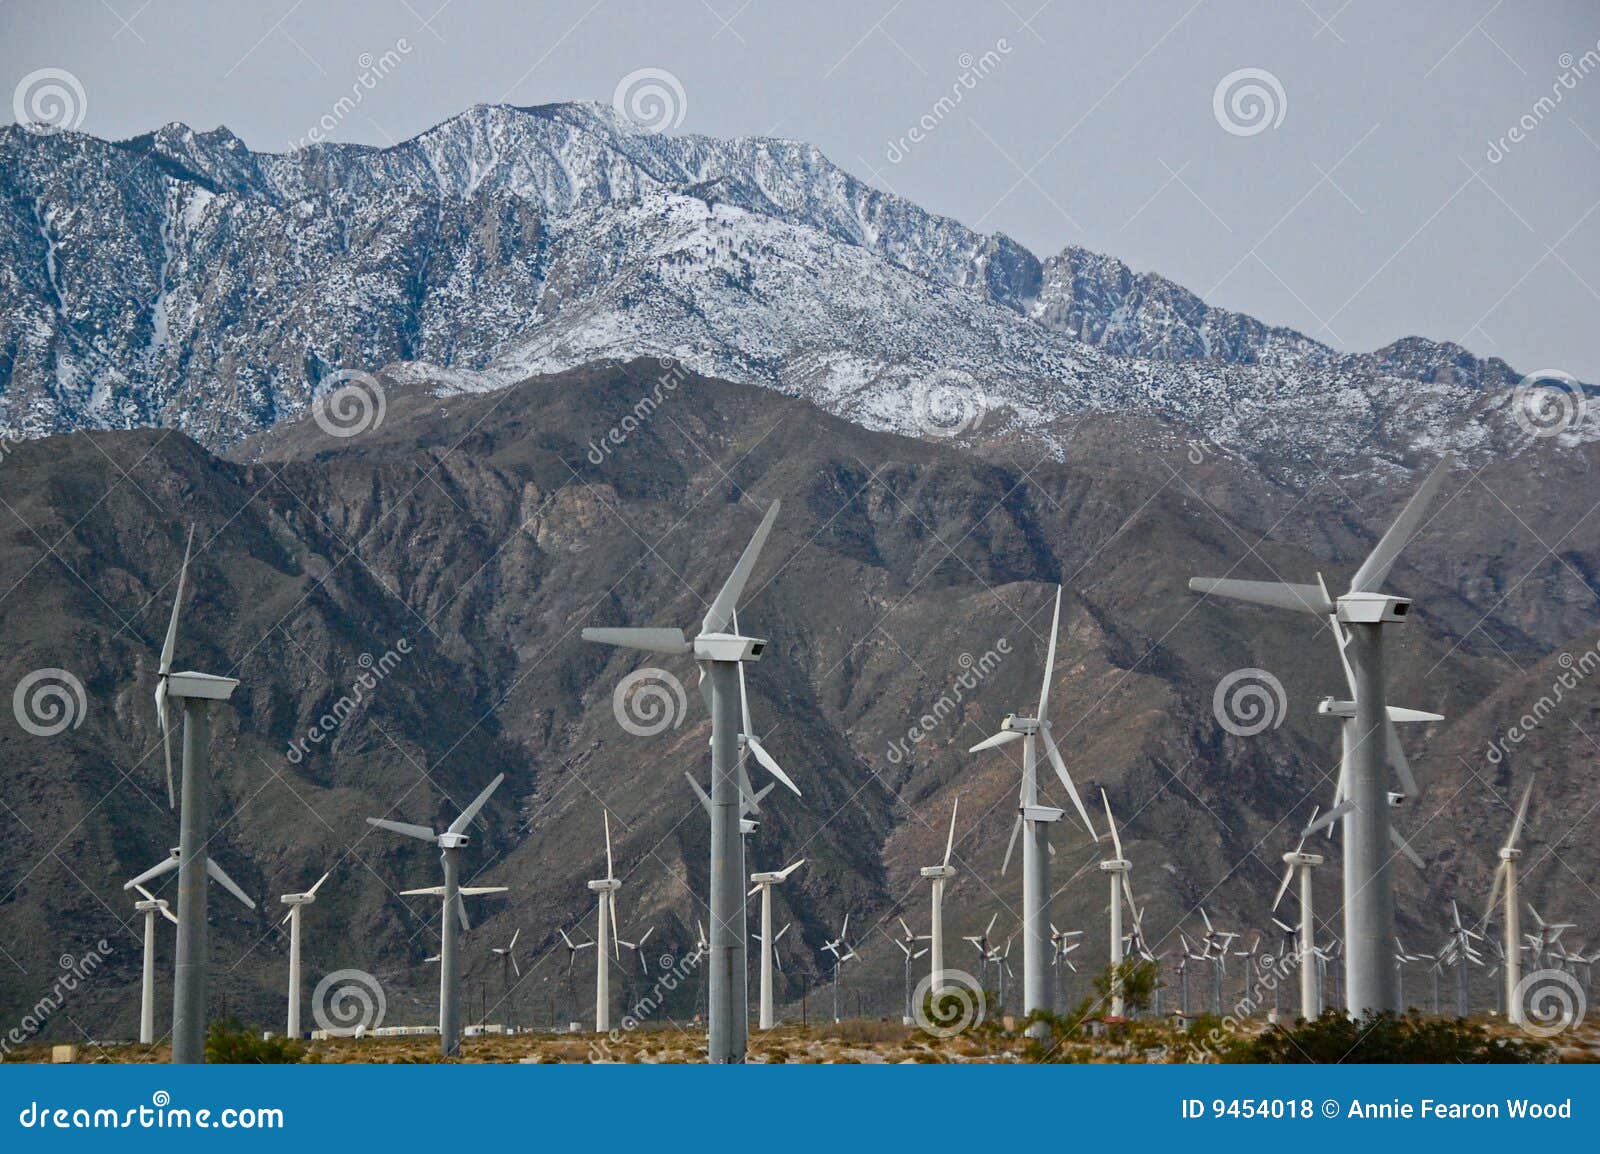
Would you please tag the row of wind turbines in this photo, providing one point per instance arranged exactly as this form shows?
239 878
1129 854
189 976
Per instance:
1363 799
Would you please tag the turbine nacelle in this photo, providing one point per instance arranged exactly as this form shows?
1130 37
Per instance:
448 840
1116 865
1303 859
728 647
1016 724
1362 608
1507 853
938 871
604 885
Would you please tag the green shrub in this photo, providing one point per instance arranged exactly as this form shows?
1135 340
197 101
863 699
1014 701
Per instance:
230 1042
1335 1037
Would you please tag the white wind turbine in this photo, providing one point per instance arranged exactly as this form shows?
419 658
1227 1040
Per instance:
1401 960
1301 863
940 876
453 910
296 903
508 964
721 655
573 948
769 941
908 947
842 952
196 691
605 890
1037 974
1505 886
638 948
1369 741
1116 868
150 906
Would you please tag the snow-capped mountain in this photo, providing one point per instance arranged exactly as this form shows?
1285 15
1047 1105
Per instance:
180 278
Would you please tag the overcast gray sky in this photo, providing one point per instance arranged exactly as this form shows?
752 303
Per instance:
1367 206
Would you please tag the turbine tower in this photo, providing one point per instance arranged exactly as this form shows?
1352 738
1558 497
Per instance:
1358 618
940 876
763 884
1301 863
296 903
1037 975
1505 885
206 869
150 906
606 890
508 963
196 691
454 911
842 952
1116 870
721 656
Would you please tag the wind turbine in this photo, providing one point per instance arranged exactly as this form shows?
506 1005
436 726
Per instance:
1037 976
842 952
508 965
150 906
1369 742
196 691
638 948
1116 870
1505 885
763 884
907 946
296 903
606 890
1302 863
1216 944
940 876
450 843
721 656
980 942
572 958
1461 939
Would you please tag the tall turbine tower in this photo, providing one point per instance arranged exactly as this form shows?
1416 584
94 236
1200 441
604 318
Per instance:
450 844
196 691
1358 618
940 876
605 933
1116 869
1302 863
763 884
150 906
720 655
296 903
1037 975
1505 885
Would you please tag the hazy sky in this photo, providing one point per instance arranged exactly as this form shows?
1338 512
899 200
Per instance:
1367 205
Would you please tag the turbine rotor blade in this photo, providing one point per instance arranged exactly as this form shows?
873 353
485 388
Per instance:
1288 876
1016 828
405 828
312 892
651 640
1004 737
1278 594
220 876
1397 759
1066 778
1115 840
1382 558
1522 814
478 803
767 761
1327 819
720 615
171 642
1050 660
950 840
154 871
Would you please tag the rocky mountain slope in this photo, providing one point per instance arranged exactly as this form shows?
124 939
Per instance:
181 279
480 530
